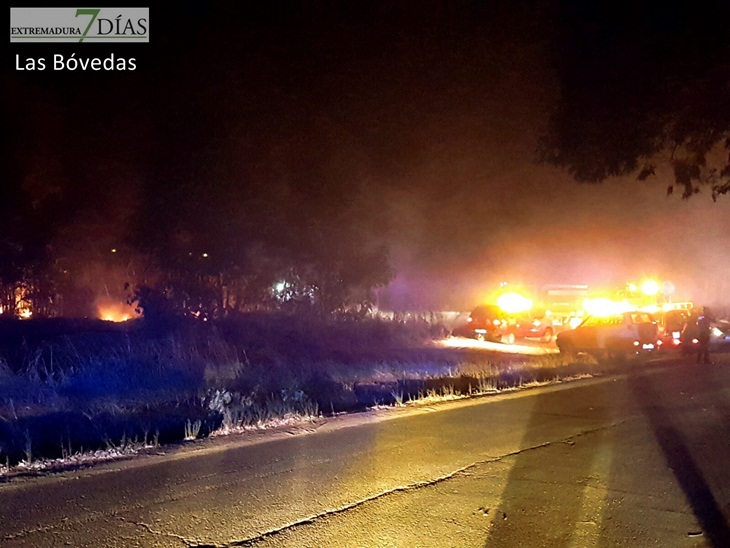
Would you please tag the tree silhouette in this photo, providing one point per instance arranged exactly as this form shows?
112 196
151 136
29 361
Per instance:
640 86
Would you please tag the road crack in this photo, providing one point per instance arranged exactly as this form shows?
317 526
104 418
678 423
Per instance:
459 472
150 530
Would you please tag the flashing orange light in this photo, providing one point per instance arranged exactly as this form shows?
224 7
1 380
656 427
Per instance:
650 288
513 303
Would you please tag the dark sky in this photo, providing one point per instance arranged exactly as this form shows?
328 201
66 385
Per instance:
423 117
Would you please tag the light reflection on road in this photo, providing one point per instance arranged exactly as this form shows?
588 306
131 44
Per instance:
535 350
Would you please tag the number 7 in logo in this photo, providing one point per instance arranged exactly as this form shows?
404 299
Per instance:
94 12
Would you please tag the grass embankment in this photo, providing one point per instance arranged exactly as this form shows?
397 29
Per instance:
71 388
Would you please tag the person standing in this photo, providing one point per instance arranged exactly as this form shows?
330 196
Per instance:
704 328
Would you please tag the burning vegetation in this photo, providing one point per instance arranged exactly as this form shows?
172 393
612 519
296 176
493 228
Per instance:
110 311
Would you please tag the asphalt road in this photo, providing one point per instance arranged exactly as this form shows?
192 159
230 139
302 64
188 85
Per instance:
637 460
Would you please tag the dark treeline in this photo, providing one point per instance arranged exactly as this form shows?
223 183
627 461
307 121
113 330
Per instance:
184 239
179 196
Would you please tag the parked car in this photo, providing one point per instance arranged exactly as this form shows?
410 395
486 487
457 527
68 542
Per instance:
536 325
618 336
671 324
689 338
486 323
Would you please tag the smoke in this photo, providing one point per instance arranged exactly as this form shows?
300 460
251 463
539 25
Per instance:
545 228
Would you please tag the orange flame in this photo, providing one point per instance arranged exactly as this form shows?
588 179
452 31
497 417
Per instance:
115 312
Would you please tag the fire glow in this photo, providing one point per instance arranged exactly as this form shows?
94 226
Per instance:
115 312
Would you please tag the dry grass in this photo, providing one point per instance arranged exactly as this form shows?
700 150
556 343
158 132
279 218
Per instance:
185 381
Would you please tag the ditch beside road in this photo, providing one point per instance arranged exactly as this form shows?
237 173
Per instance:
634 459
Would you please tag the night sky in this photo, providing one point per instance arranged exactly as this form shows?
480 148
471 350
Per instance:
411 125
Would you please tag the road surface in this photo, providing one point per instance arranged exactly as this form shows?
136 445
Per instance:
635 460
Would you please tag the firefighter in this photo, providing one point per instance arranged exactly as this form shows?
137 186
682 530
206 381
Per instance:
704 327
